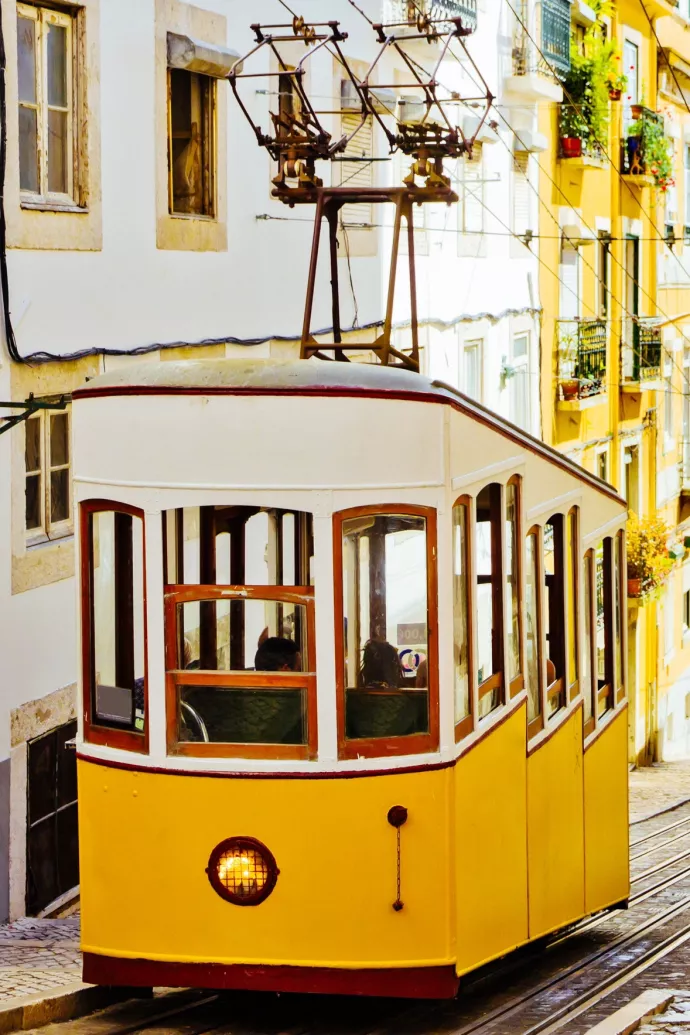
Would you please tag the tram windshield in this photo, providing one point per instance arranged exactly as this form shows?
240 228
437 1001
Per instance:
239 631
385 640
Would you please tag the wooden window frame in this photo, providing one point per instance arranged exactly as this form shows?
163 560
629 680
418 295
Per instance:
573 603
538 723
517 684
466 725
209 152
620 690
497 680
94 733
557 690
48 530
606 695
180 594
591 607
67 19
417 743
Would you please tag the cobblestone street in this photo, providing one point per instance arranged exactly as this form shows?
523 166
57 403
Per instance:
38 956
658 787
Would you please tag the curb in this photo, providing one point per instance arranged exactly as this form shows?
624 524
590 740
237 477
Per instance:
630 1017
67 1003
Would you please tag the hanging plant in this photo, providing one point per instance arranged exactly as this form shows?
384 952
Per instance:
649 563
595 73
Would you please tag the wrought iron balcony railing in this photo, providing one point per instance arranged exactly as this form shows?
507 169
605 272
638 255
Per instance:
542 42
581 346
633 157
641 349
409 11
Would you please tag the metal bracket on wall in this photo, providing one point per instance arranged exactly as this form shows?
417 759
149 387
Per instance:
28 408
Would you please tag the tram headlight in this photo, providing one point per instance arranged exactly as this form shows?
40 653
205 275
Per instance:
242 870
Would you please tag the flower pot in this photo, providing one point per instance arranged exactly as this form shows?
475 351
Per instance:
636 111
570 389
614 94
571 147
634 588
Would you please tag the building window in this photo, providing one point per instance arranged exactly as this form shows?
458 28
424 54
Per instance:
573 576
462 636
631 64
46 91
588 686
471 192
114 625
489 599
191 143
521 194
603 277
386 628
519 384
48 508
604 662
619 574
602 464
686 613
357 169
669 429
471 360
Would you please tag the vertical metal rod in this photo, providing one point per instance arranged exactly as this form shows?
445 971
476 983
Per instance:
332 216
311 283
388 326
414 321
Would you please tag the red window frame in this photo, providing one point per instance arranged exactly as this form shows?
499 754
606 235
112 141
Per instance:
175 676
517 683
465 726
94 733
380 747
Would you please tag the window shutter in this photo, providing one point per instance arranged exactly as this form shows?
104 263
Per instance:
357 174
521 193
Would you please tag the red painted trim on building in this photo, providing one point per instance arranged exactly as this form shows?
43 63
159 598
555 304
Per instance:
407 983
475 412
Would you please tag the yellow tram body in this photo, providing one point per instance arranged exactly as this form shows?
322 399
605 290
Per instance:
515 826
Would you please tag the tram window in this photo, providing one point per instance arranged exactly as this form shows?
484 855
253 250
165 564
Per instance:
589 668
572 572
386 666
241 679
533 630
228 634
515 680
604 608
618 568
114 624
489 600
461 626
554 613
238 546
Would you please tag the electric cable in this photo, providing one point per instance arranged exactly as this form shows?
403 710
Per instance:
10 339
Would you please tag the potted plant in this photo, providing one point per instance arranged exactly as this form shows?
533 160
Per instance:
658 152
649 563
573 131
568 382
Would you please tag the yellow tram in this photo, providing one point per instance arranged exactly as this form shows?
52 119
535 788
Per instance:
354 713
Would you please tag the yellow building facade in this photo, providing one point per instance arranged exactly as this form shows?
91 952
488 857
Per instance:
614 290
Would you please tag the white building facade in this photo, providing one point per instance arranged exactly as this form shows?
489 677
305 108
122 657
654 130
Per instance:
140 228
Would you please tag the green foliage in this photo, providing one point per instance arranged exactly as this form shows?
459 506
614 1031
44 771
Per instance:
648 558
595 69
657 150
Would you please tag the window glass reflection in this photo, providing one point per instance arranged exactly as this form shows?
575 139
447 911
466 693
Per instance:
532 677
460 613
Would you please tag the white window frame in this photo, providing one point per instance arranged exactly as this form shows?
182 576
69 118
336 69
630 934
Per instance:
519 365
48 530
43 16
465 346
629 443
600 451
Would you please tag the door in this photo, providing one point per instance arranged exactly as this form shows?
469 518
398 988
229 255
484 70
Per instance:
632 309
52 850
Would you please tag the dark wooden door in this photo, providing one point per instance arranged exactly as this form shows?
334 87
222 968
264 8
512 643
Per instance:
52 850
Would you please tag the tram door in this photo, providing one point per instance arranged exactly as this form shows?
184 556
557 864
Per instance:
52 850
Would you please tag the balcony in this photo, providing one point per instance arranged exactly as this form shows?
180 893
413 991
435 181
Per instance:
641 354
401 11
639 146
581 347
538 69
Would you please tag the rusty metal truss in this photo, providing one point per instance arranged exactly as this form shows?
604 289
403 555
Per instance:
425 133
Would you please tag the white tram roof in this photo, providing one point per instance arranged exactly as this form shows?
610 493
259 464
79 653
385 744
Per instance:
317 377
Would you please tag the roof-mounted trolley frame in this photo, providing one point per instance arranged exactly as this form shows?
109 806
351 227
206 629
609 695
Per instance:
428 137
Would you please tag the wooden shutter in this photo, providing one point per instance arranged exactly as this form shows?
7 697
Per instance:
357 174
521 193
